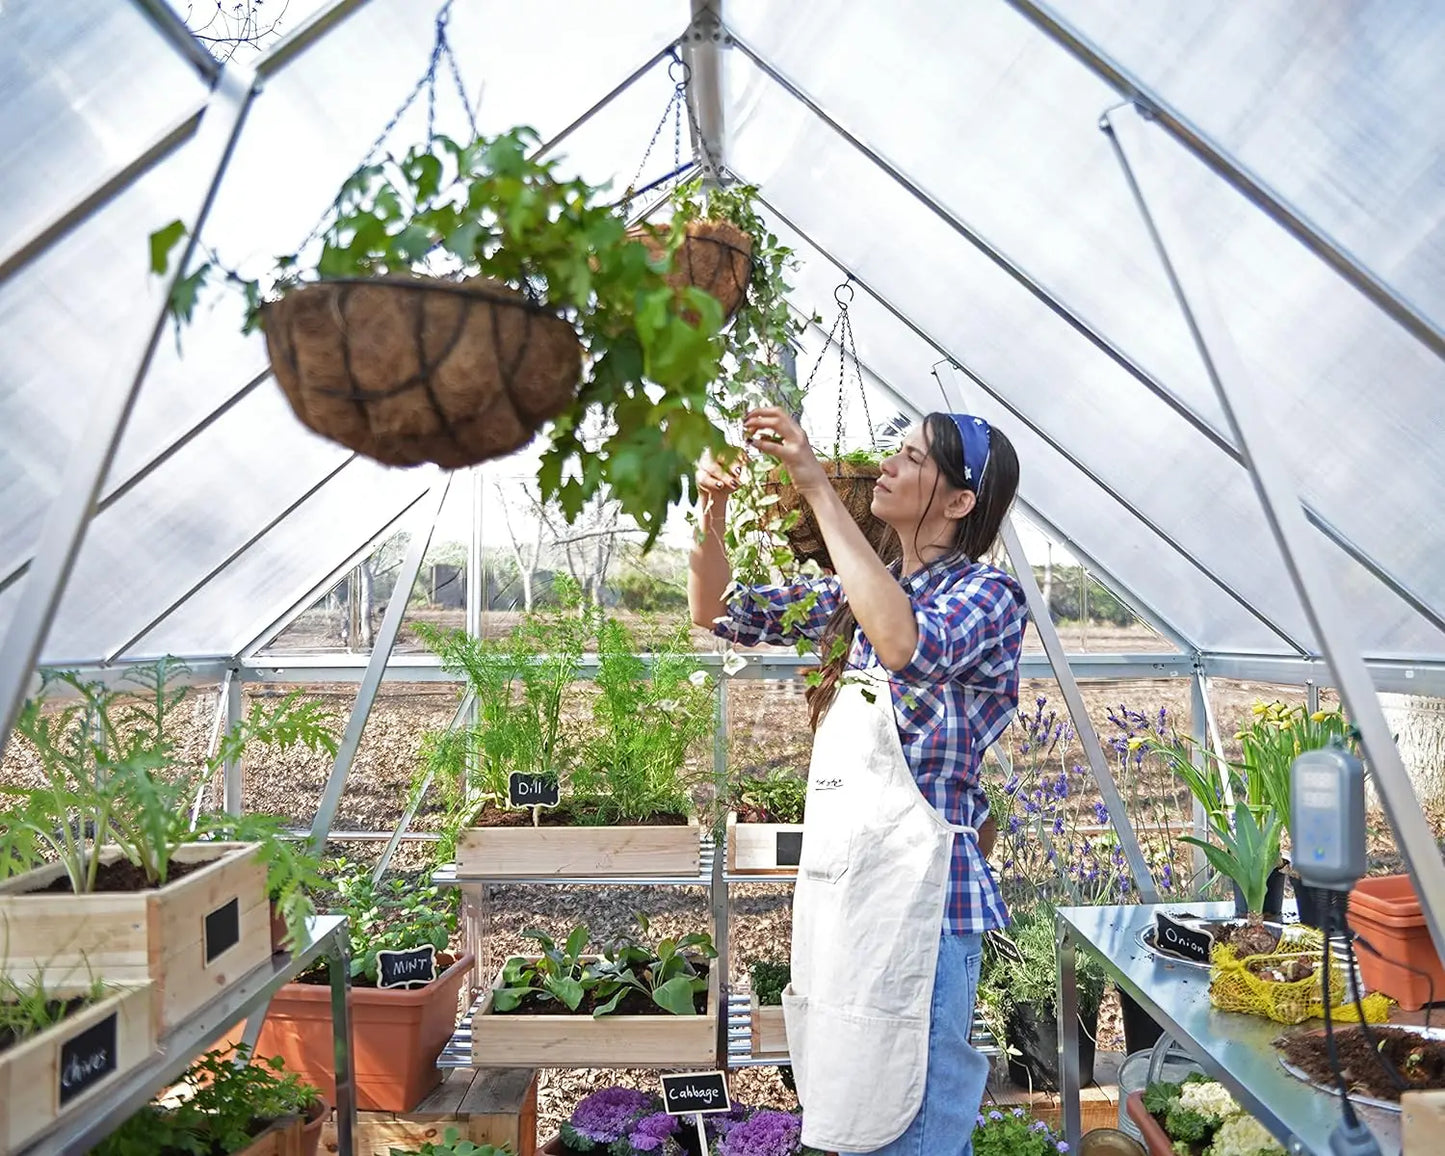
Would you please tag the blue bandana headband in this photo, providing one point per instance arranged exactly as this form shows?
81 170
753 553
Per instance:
976 436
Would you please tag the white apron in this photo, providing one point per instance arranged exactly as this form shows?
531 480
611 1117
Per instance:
867 917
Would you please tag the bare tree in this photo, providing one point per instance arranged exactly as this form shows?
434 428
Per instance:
227 26
589 543
528 556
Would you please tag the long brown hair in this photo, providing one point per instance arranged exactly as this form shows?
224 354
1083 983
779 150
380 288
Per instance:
973 536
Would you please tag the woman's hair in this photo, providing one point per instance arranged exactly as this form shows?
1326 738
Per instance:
974 536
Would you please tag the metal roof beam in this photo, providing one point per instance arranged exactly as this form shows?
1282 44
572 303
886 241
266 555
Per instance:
702 50
182 39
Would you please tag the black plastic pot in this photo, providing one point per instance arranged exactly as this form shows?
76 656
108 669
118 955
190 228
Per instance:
1312 902
1273 897
1140 1030
1034 1032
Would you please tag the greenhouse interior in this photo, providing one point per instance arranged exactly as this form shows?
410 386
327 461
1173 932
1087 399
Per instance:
439 530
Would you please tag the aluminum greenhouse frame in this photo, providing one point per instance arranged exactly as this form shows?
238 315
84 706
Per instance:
1185 234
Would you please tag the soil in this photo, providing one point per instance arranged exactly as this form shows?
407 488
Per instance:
123 876
318 975
1251 939
566 817
1420 1062
54 1010
634 1003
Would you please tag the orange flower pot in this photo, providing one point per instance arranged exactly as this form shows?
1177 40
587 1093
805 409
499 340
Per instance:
396 1036
1385 911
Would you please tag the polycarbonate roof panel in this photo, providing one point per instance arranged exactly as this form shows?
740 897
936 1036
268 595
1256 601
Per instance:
1338 107
245 597
86 88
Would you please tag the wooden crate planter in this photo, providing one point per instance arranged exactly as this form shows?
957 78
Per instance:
191 939
763 848
496 1106
283 1138
769 1031
59 1071
579 1041
396 1036
579 852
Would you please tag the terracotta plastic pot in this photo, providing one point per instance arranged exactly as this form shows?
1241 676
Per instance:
316 1119
1156 1140
1385 912
396 1037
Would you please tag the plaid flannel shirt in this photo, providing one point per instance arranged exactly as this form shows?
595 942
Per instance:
951 701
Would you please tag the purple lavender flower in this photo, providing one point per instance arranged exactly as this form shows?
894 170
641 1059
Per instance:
1166 880
604 1116
1012 785
1101 813
1014 823
764 1133
995 1115
650 1133
1058 826
1030 807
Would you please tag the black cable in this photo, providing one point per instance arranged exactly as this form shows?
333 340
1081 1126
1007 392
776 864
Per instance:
1333 916
1346 1108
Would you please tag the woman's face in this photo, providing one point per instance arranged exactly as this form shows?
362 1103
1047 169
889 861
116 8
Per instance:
912 496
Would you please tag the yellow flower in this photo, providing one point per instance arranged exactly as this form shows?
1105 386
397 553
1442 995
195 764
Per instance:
1136 743
1319 716
1259 708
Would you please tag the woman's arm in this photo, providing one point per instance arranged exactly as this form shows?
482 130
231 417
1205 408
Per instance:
708 572
880 604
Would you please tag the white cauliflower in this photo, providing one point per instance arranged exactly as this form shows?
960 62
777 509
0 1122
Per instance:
1211 1100
1243 1135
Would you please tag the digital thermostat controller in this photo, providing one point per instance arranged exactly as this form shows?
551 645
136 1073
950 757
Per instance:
1327 806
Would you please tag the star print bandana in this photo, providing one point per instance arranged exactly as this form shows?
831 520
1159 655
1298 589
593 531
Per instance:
976 436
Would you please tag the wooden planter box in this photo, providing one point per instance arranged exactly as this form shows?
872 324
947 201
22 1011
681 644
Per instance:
66 1067
283 1138
579 1041
492 1106
191 939
579 852
770 1033
396 1036
763 848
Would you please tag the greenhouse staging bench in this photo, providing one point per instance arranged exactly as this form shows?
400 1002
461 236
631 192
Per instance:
79 1132
1235 1049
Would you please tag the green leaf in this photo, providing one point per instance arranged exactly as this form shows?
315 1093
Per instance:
413 243
569 991
162 242
676 995
186 291
577 940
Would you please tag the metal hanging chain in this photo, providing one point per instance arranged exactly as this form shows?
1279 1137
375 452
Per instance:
441 49
675 105
841 335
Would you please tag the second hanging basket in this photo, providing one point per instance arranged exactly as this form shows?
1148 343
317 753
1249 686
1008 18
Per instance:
715 256
854 482
408 370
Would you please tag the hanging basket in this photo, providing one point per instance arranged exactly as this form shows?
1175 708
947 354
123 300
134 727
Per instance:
854 482
408 370
715 256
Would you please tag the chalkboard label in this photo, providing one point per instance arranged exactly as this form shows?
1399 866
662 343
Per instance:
87 1058
790 848
1005 947
1192 943
695 1092
532 790
414 968
223 929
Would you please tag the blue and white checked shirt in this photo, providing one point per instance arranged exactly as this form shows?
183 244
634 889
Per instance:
952 700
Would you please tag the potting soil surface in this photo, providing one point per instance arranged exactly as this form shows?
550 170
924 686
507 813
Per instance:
565 817
123 876
1419 1061
55 1011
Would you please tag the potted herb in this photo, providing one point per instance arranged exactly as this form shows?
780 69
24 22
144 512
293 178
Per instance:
445 315
1247 852
1018 990
645 1001
622 781
401 1017
127 875
1014 1133
765 832
226 1105
1195 1118
62 1046
768 978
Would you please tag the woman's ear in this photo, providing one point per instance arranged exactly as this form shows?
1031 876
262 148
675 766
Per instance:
961 504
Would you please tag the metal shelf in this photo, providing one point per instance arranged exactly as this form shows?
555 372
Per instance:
82 1130
448 877
1234 1048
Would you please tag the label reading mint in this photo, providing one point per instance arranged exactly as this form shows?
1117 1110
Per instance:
695 1092
532 790
223 929
790 848
414 968
87 1058
1191 943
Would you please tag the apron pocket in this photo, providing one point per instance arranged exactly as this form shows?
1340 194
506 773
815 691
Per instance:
860 1078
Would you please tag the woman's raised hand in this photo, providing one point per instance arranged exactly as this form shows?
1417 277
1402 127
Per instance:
715 479
774 431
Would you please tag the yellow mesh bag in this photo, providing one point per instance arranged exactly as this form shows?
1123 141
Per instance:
1233 986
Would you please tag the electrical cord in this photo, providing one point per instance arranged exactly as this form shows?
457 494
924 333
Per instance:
1334 917
1346 1108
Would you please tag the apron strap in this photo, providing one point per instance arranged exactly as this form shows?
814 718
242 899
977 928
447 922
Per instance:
957 829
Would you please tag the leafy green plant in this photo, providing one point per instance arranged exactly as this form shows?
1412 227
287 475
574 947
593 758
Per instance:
452 1144
112 775
669 971
647 717
769 978
397 915
776 797
1013 1132
28 1007
557 974
493 207
229 1097
1247 853
293 872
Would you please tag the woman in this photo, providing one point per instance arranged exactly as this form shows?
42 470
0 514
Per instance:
919 676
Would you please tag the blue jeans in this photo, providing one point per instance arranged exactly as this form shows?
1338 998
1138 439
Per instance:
957 1073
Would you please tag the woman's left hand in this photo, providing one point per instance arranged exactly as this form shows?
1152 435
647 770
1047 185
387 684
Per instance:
773 431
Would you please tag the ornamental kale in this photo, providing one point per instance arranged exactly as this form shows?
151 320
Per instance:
649 1134
603 1118
764 1133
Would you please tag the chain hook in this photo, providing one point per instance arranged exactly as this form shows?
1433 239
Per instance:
846 287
